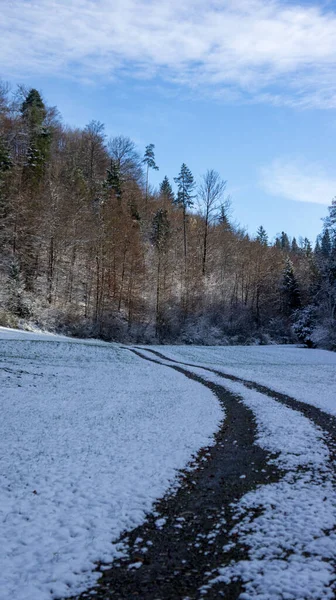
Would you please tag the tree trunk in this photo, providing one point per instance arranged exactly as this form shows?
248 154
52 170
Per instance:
50 272
158 318
205 239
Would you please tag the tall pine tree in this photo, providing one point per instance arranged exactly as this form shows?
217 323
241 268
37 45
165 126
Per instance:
262 236
149 161
39 137
185 199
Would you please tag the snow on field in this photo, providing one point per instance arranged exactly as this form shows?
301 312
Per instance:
305 374
90 437
6 333
292 543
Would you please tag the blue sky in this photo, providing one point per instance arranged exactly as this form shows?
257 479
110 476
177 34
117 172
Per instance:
247 87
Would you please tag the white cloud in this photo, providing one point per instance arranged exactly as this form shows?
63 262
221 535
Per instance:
268 50
297 180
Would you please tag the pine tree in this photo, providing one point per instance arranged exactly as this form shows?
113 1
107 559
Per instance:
33 109
326 260
185 199
149 161
326 243
289 289
317 249
166 190
307 247
262 236
284 242
34 113
330 221
304 324
295 247
223 216
113 179
185 186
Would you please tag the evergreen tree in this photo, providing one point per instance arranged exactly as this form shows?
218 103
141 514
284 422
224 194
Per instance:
304 324
277 243
317 248
307 247
34 113
166 190
330 221
185 199
160 229
326 262
289 289
185 186
284 242
113 180
262 236
222 217
326 243
149 161
33 109
295 247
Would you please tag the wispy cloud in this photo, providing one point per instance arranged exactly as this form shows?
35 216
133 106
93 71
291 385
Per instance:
266 50
298 180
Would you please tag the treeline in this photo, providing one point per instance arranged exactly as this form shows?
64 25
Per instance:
88 247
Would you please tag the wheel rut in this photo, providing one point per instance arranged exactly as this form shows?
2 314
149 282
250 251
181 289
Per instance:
177 549
320 418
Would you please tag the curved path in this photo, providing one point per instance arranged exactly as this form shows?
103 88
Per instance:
322 419
172 555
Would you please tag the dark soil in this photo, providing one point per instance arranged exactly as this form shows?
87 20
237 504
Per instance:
179 558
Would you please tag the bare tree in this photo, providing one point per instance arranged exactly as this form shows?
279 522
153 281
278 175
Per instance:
123 151
210 192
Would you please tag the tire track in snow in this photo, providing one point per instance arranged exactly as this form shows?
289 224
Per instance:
175 551
320 418
302 561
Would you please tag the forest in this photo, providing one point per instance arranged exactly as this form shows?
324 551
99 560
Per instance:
89 248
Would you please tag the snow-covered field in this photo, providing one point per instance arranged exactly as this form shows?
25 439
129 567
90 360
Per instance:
292 544
307 375
90 437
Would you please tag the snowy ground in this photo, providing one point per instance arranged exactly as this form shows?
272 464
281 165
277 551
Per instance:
305 374
292 544
90 437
